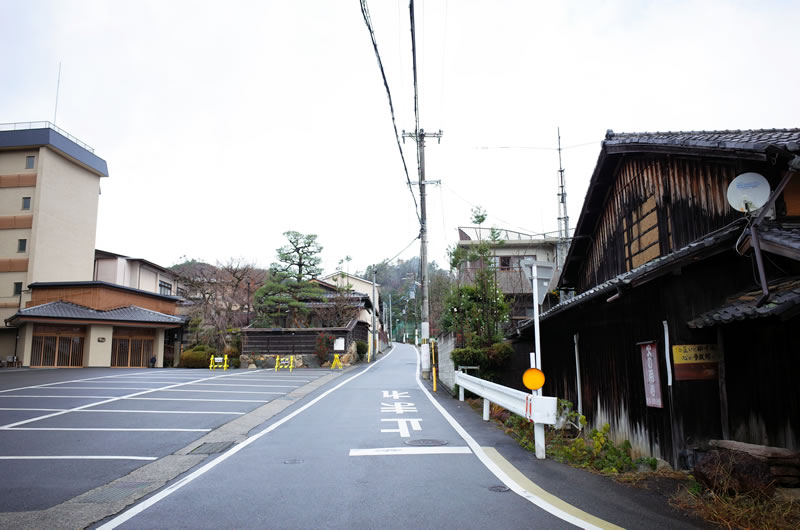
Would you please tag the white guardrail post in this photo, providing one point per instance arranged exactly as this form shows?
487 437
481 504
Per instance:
541 410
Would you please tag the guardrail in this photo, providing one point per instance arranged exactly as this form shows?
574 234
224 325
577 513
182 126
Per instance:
541 410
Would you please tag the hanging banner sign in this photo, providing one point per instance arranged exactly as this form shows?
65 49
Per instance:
695 362
652 381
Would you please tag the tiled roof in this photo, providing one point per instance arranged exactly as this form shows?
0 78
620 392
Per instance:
783 234
72 311
755 140
784 295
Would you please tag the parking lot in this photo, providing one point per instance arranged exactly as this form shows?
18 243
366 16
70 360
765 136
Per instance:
66 431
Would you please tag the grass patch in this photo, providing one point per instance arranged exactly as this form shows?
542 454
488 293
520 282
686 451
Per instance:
737 511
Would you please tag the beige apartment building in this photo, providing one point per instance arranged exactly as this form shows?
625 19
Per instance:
55 313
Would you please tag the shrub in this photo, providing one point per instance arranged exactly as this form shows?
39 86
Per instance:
361 349
197 357
468 357
234 362
323 347
499 354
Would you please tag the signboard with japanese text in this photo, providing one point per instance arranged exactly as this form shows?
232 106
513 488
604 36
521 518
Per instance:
695 362
652 382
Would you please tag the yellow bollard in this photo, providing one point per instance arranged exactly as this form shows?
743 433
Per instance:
336 362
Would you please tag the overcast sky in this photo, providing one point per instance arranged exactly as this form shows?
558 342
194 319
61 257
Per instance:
227 123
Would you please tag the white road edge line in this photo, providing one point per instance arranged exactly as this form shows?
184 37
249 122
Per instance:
495 469
163 494
89 457
392 451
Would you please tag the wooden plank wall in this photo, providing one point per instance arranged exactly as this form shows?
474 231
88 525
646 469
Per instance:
100 298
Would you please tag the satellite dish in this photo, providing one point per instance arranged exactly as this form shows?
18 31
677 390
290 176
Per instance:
748 192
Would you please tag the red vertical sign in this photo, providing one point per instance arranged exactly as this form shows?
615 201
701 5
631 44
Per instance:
652 382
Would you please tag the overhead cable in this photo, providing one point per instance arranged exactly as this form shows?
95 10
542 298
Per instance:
368 22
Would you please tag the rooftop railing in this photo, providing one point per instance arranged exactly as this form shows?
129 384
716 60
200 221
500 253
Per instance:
25 125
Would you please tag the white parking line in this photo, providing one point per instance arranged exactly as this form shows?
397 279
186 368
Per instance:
97 388
88 457
59 397
131 411
203 400
108 429
237 385
391 451
110 400
217 391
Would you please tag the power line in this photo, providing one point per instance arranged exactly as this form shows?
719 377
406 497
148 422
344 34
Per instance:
368 22
538 148
398 254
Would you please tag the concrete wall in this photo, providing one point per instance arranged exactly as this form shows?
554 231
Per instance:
25 343
447 373
148 279
107 270
158 348
97 346
64 221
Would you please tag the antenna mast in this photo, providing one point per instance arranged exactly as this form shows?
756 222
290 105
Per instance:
58 86
563 218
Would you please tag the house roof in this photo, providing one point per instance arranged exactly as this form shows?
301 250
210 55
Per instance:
745 144
710 244
101 254
339 273
778 238
752 140
784 297
51 285
69 311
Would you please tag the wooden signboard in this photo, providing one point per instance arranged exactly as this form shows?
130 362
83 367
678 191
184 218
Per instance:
695 362
652 382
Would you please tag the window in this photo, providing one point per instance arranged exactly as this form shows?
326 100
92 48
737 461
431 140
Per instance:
17 288
26 203
29 162
182 292
505 263
22 245
164 287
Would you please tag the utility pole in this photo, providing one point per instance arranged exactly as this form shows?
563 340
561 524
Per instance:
563 218
391 321
419 137
374 308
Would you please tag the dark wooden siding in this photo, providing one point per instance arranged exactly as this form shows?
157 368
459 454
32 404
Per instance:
656 205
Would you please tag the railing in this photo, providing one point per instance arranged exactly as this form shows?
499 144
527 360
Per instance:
541 410
23 126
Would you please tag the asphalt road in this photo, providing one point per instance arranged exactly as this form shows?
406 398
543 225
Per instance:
342 460
369 447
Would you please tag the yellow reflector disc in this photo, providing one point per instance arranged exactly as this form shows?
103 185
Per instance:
533 378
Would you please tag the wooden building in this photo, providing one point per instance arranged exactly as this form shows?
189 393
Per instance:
668 337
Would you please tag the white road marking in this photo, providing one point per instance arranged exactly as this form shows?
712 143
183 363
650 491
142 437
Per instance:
495 469
398 408
134 411
169 490
394 394
217 391
97 388
104 429
110 400
59 397
203 400
237 385
89 457
391 451
37 410
402 425
128 410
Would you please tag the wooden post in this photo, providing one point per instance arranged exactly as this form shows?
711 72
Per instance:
723 390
